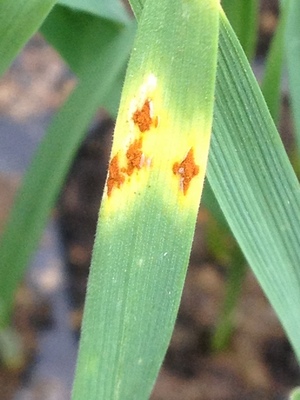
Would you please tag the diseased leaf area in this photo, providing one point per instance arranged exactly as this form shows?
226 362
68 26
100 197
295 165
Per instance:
149 207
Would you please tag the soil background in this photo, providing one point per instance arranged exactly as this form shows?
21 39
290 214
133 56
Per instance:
258 362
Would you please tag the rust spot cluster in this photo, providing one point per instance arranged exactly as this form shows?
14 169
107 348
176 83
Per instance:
134 154
135 158
187 169
115 176
143 119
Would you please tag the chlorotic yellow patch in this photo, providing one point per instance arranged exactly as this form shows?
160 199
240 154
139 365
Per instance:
153 147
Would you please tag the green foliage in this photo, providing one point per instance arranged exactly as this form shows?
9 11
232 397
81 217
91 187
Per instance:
110 9
271 84
243 17
83 40
292 44
46 174
139 267
295 395
19 19
254 183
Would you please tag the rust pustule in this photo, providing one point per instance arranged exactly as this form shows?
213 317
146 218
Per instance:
115 176
142 117
134 156
187 169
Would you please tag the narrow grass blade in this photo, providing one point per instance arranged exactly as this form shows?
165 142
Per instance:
271 88
236 274
243 17
254 183
223 246
19 20
111 9
271 83
150 204
292 43
51 163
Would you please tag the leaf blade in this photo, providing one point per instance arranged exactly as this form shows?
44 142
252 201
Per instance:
138 267
19 20
254 183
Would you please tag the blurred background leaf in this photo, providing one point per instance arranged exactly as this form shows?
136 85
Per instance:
111 9
292 45
19 20
271 83
243 17
52 161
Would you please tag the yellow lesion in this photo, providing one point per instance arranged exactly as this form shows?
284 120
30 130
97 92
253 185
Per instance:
130 157
141 113
156 149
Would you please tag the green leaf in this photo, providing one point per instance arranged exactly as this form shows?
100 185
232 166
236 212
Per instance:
110 9
243 17
19 20
78 37
236 275
150 204
254 183
51 164
137 7
295 395
225 250
271 84
292 43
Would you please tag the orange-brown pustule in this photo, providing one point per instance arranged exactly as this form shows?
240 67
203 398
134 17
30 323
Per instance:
134 160
134 156
143 119
115 177
187 169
